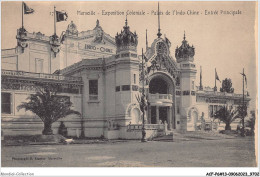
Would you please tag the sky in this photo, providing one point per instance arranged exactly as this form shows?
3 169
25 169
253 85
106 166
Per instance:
224 42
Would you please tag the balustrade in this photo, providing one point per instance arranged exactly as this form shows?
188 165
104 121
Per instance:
160 96
160 99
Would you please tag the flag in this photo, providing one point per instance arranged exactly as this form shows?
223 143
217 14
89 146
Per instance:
200 73
243 74
245 80
61 16
145 58
217 78
27 9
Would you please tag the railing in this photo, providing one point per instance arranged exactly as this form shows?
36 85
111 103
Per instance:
138 127
39 75
162 97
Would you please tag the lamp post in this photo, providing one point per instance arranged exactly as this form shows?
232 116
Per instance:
143 102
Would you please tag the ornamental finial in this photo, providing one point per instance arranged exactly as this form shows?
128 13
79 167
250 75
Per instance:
126 20
184 37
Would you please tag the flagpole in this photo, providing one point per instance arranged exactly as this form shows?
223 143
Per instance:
243 107
54 15
22 13
201 87
146 41
215 89
143 101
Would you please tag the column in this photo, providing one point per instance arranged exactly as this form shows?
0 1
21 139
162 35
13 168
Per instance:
149 114
170 117
157 114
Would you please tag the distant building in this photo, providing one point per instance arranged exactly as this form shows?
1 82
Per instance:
102 76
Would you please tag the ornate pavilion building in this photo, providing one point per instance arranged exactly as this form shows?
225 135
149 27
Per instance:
102 76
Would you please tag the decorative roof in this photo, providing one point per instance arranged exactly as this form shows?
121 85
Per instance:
185 51
126 37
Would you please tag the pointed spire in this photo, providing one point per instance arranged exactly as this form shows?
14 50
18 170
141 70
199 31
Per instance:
159 30
184 37
126 20
146 41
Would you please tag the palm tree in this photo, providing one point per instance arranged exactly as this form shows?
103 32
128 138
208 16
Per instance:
227 115
48 106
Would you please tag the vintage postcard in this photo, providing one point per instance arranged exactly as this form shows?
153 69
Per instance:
129 84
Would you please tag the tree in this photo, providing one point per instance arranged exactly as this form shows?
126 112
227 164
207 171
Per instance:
48 106
227 86
227 115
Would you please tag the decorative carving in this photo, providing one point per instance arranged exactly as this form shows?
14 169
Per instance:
22 38
99 34
72 29
39 35
161 49
55 44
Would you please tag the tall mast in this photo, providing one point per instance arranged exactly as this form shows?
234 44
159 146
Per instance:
146 41
143 101
243 105
159 30
143 71
215 89
22 13
54 15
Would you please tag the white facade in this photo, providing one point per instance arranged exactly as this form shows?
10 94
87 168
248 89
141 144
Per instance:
102 76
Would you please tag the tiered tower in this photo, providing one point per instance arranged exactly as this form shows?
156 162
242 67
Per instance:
127 77
185 57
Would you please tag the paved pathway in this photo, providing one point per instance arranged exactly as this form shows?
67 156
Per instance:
236 152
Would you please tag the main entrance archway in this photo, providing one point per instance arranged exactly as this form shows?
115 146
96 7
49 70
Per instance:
158 85
161 99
